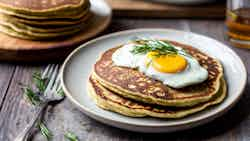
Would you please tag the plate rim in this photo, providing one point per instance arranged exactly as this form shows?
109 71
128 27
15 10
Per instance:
207 116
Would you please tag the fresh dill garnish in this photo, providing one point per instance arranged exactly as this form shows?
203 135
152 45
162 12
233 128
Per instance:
35 97
39 81
31 95
158 46
45 131
70 136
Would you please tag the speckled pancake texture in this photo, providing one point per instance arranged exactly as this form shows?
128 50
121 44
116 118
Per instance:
132 84
109 100
26 31
38 36
26 28
43 8
44 19
39 4
53 22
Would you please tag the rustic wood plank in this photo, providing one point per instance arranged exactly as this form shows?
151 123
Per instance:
15 112
124 24
141 8
6 74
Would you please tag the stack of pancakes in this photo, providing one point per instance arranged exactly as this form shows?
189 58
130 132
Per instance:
43 19
130 92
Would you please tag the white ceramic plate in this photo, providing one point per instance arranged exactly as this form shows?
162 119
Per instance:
78 65
184 2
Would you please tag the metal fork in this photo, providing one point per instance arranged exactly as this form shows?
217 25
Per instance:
52 73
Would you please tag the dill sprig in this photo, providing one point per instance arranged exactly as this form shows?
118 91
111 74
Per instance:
31 95
35 98
45 131
158 46
70 136
39 81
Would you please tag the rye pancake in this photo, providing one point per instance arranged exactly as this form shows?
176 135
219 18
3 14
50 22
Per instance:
33 9
37 36
109 100
46 22
135 85
31 30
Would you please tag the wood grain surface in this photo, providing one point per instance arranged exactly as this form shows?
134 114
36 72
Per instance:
139 8
15 112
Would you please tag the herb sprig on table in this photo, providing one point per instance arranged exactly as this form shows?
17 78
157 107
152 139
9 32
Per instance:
39 81
158 46
45 131
31 94
71 136
33 97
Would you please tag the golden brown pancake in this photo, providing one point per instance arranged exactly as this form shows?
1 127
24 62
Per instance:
109 100
21 28
131 83
30 29
43 9
38 36
46 22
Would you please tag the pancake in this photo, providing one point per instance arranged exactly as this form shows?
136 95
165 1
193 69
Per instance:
61 16
46 22
109 100
131 83
37 36
31 30
33 9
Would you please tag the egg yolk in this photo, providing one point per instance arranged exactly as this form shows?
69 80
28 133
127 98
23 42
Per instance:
166 63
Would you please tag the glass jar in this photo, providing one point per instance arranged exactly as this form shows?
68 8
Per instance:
238 23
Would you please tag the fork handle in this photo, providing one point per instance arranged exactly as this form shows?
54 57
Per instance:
25 134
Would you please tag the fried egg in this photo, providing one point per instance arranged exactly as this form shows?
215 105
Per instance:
174 70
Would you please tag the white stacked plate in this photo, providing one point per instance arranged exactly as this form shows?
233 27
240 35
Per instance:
78 66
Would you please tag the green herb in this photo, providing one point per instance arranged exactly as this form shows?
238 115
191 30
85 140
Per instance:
71 136
158 46
45 131
35 99
60 92
31 95
39 81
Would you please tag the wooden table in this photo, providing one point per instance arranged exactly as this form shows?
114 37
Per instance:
15 113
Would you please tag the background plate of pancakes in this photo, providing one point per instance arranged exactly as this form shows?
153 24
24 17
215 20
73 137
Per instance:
49 29
79 65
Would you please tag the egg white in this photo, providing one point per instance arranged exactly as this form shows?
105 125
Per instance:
193 73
